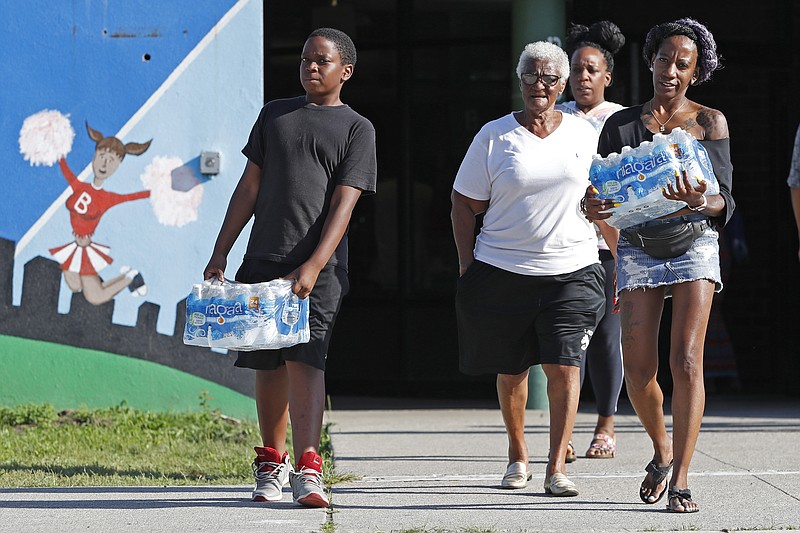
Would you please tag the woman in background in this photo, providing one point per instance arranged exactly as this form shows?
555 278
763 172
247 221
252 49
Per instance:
591 51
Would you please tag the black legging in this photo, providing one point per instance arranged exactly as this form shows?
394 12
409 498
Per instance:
604 355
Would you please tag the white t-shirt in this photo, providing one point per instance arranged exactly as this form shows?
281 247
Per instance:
533 224
597 118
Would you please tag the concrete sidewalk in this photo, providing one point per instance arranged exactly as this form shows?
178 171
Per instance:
439 469
150 509
434 467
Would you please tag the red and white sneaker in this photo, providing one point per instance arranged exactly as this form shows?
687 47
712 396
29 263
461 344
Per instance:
306 481
271 472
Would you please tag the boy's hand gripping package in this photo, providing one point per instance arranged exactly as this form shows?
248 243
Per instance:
634 179
245 316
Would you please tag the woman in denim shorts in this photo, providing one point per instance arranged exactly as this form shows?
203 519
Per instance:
680 54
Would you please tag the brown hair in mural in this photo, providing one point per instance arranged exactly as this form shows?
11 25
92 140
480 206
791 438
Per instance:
81 259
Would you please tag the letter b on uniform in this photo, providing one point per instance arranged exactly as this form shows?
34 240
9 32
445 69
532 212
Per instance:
81 205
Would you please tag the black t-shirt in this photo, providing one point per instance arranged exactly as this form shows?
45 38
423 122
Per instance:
625 128
304 151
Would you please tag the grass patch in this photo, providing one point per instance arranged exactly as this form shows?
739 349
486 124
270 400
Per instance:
120 446
41 447
329 474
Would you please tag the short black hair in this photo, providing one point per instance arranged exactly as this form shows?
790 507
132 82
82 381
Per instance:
707 59
343 43
605 36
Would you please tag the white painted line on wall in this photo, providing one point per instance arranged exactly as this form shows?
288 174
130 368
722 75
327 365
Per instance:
155 97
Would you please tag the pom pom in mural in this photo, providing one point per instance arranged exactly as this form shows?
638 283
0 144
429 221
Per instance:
46 137
174 192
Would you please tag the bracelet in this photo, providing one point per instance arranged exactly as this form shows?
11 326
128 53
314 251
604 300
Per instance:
583 205
700 207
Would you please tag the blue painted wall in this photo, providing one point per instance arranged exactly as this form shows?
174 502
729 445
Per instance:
187 74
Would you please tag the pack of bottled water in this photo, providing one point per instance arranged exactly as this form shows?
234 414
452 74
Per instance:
245 316
635 178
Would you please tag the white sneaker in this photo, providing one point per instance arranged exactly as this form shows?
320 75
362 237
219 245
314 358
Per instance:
559 485
306 481
517 476
272 473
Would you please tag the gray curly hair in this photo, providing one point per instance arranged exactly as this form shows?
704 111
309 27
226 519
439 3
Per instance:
544 51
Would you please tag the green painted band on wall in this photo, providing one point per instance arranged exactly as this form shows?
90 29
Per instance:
69 377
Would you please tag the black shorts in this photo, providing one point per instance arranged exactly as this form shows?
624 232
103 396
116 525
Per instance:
323 306
509 322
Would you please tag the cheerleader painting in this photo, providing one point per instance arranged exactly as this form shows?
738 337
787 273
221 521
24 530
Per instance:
173 191
47 137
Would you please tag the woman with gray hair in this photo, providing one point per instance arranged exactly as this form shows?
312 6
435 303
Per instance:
531 286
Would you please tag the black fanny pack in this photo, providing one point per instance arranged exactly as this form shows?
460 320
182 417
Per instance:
665 241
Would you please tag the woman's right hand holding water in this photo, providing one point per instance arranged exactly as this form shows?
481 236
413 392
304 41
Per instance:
594 208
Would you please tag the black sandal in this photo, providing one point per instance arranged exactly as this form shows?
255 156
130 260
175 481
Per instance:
659 473
683 496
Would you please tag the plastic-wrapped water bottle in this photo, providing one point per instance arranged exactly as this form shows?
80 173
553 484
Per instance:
635 177
291 311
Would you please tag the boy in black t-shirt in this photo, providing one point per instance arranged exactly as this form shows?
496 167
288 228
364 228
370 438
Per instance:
309 160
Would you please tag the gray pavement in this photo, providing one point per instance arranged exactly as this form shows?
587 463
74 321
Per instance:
436 466
439 468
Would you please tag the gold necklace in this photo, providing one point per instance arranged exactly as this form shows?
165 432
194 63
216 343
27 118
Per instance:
663 127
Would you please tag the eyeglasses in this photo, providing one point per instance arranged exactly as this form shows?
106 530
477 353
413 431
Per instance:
548 80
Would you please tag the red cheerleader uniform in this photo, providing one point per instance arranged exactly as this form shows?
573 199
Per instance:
86 206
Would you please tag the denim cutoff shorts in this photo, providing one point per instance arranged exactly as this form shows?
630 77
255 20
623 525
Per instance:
636 269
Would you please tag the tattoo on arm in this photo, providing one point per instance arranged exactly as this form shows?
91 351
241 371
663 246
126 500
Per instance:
704 118
713 123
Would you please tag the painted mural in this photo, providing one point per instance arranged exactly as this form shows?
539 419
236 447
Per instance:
108 219
81 258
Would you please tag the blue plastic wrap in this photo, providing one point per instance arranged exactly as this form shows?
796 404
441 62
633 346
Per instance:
634 179
245 316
